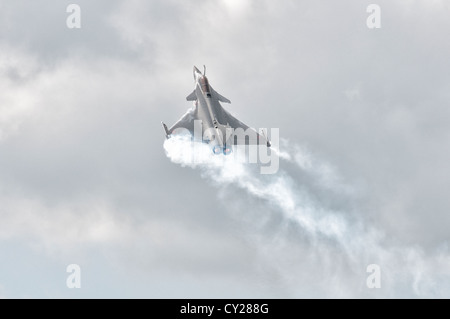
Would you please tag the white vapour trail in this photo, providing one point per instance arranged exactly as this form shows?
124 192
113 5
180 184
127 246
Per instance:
278 189
359 243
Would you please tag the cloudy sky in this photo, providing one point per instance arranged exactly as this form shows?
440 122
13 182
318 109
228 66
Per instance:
86 178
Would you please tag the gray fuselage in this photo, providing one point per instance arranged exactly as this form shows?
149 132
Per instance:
209 111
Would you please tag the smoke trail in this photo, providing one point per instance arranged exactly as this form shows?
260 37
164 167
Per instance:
330 231
278 189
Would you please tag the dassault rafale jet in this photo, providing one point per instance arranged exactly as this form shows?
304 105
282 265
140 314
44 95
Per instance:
209 121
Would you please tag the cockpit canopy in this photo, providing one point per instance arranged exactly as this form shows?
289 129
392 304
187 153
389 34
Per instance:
205 86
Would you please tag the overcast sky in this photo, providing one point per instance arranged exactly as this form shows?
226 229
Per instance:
363 116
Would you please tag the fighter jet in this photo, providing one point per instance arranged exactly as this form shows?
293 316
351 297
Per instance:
209 121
